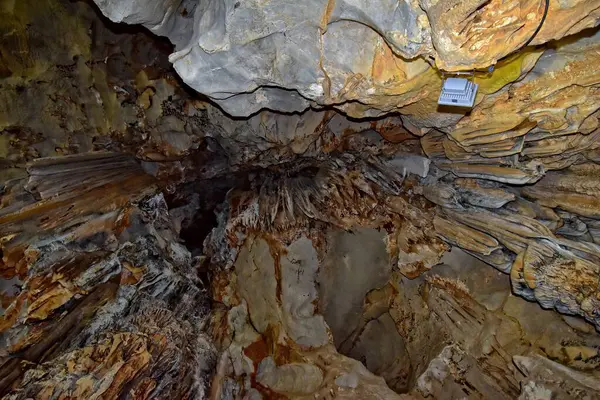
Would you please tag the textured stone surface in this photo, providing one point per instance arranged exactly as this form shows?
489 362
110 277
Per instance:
448 331
107 304
271 330
399 328
540 237
251 55
543 376
348 256
328 267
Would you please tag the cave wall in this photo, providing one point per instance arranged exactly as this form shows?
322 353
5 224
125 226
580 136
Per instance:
336 266
365 58
107 300
356 249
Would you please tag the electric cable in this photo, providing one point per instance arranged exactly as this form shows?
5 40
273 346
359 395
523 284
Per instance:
544 15
462 92
540 25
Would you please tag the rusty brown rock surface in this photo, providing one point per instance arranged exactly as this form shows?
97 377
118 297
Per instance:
329 268
106 301
454 330
445 332
365 58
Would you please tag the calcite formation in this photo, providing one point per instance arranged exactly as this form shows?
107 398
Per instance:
289 291
366 58
539 233
154 246
102 300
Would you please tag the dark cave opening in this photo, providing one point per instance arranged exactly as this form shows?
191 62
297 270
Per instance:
195 206
199 227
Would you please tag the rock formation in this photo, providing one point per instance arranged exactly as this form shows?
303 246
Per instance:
360 277
365 58
285 212
103 299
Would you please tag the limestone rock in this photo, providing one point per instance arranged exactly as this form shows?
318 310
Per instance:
327 261
540 237
286 290
289 378
342 308
444 376
273 330
173 18
383 352
399 328
475 34
106 305
366 59
544 375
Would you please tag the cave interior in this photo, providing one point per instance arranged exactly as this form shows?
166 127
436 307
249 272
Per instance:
256 199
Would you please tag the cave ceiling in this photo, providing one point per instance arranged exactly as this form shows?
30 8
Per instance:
250 199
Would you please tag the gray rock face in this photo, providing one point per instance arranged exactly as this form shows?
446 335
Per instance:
286 56
349 255
289 302
172 18
252 55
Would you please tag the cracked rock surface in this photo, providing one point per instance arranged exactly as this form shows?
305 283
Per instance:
363 57
167 232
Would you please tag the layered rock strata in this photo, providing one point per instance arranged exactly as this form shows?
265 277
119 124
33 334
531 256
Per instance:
365 58
329 268
342 256
100 300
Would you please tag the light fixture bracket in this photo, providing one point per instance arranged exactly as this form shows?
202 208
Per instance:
458 92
